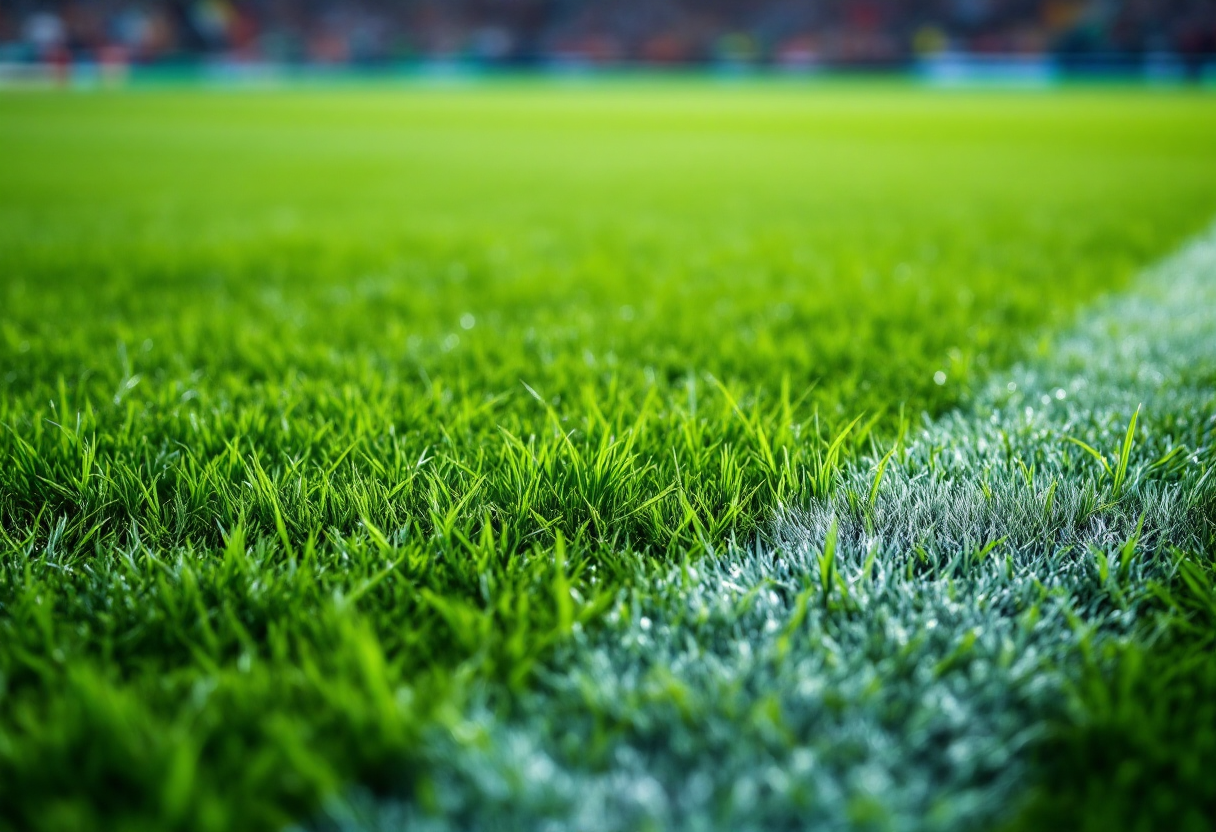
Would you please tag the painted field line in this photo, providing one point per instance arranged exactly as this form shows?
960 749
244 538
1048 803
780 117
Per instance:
883 658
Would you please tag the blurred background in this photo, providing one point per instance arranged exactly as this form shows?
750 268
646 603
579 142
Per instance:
1032 40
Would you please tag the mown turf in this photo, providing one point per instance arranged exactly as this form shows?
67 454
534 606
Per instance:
325 409
983 619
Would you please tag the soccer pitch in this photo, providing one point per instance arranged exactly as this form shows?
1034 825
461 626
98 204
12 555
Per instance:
634 455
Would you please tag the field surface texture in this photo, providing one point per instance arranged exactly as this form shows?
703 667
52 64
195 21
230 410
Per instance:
631 456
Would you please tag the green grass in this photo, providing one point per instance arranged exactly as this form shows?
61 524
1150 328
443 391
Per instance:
329 417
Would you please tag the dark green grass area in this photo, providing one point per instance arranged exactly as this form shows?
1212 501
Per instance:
1138 747
319 409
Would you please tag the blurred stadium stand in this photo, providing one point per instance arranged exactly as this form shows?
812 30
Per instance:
1168 37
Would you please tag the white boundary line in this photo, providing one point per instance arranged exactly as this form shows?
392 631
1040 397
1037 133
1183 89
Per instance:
742 695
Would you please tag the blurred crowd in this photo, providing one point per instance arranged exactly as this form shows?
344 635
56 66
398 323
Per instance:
787 33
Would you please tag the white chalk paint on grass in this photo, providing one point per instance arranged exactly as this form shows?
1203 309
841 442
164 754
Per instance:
882 659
